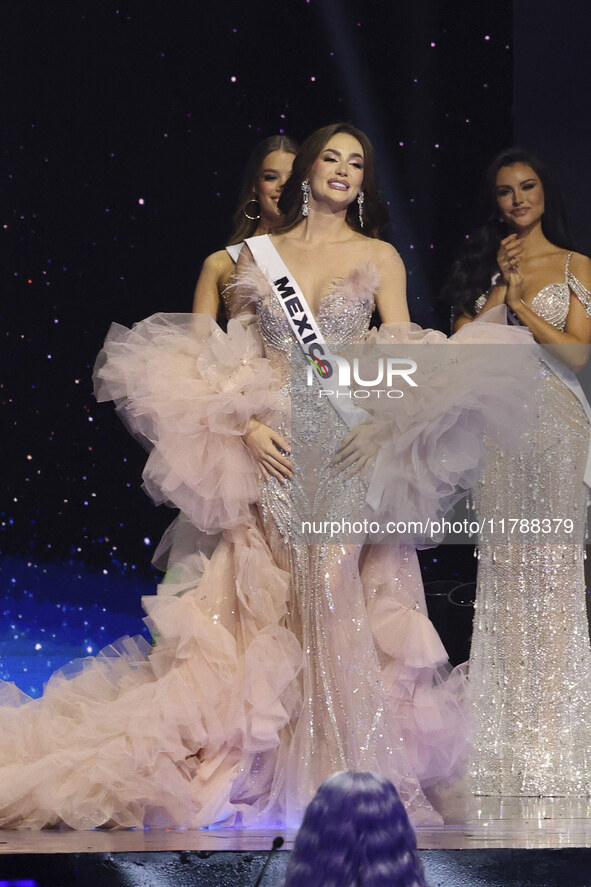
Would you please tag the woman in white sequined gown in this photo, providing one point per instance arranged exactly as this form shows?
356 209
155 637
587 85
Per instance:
275 662
530 663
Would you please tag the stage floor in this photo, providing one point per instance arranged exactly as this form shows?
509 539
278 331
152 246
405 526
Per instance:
487 823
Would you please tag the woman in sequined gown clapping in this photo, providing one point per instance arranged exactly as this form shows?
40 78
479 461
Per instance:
530 664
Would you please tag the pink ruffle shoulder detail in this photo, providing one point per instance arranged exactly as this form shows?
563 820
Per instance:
188 390
480 382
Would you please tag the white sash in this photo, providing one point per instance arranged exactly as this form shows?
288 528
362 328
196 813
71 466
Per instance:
305 329
234 250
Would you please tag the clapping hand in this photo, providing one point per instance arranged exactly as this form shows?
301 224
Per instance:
509 255
508 260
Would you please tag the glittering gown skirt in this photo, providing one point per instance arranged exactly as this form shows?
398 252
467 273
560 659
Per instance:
275 661
530 663
368 701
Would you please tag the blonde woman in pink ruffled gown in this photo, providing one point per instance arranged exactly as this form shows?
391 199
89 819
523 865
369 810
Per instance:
275 662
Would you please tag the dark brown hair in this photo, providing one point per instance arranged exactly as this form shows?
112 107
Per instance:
244 227
375 214
471 273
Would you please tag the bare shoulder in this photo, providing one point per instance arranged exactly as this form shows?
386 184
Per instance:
219 263
384 251
391 298
580 266
215 274
386 256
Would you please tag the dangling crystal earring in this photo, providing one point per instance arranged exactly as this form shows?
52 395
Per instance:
247 208
360 199
305 197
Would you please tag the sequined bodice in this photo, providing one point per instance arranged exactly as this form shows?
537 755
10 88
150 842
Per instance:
343 316
311 424
552 303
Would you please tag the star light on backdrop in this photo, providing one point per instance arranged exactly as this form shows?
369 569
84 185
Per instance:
127 131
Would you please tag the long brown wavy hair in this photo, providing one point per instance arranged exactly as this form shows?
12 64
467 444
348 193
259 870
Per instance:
375 214
244 227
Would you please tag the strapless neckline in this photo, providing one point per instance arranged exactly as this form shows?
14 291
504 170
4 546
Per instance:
338 284
552 301
252 291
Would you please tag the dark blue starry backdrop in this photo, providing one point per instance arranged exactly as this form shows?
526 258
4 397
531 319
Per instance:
125 129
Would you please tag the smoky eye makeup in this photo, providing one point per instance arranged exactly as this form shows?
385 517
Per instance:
502 190
357 163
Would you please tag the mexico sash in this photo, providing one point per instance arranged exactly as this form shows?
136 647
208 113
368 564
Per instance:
306 331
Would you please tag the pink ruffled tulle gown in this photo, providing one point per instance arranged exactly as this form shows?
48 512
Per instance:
275 662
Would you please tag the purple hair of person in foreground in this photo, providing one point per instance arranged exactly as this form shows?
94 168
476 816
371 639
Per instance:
355 833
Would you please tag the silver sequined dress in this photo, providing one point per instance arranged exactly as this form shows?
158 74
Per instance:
530 663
